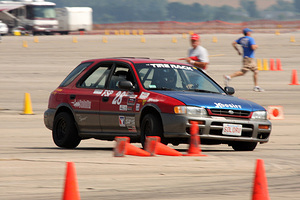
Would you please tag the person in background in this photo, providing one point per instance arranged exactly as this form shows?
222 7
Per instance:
197 55
249 46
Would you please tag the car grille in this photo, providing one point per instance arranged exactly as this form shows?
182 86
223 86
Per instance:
229 113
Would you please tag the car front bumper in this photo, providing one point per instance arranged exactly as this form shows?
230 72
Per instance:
49 118
211 129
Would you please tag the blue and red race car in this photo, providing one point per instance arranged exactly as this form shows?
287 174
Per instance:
140 97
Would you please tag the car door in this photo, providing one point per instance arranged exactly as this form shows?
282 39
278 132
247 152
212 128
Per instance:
86 101
118 107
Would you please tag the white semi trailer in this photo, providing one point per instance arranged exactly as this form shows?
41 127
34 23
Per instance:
74 19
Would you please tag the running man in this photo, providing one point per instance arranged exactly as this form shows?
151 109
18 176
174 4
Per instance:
249 46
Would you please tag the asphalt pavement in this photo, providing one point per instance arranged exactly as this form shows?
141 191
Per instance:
32 167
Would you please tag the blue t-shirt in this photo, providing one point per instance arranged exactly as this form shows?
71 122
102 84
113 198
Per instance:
246 43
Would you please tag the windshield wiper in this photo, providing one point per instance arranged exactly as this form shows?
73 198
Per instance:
205 91
161 88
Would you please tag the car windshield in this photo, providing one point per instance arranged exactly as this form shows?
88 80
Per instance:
162 76
44 12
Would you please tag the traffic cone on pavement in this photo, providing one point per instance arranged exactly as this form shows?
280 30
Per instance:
194 148
25 44
104 39
215 40
272 67
259 65
278 63
143 40
119 150
265 65
75 39
71 191
294 80
150 144
174 40
155 147
27 105
135 151
36 39
260 186
123 147
275 112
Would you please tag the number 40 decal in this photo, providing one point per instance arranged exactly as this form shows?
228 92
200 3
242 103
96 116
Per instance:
118 98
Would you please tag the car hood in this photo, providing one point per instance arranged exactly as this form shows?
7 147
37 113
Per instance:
211 100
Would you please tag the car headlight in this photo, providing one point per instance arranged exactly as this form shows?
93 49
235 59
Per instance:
190 110
259 115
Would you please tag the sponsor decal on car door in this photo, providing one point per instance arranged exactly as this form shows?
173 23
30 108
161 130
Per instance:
86 107
117 111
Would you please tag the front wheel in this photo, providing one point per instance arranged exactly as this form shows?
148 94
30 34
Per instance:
64 131
151 126
244 146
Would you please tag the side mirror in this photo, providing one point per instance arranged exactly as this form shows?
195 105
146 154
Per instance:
126 85
229 90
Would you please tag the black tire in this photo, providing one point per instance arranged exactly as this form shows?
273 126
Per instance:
244 146
64 131
152 126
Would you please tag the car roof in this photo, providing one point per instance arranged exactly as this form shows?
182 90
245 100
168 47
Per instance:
134 60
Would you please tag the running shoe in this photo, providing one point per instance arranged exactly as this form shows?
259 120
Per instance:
226 80
258 89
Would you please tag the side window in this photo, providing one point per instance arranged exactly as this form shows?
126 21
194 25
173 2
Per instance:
97 79
121 73
146 76
74 74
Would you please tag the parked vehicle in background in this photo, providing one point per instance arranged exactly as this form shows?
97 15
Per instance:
134 97
20 30
36 16
74 19
3 29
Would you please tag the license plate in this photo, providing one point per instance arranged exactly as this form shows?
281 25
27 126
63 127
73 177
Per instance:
232 129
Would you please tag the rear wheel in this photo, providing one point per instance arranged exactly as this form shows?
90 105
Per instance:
64 131
151 126
244 146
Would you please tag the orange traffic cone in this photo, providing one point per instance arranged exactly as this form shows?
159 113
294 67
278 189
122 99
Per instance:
135 151
150 144
119 150
260 186
278 63
155 147
275 112
294 78
194 148
123 147
272 65
71 186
